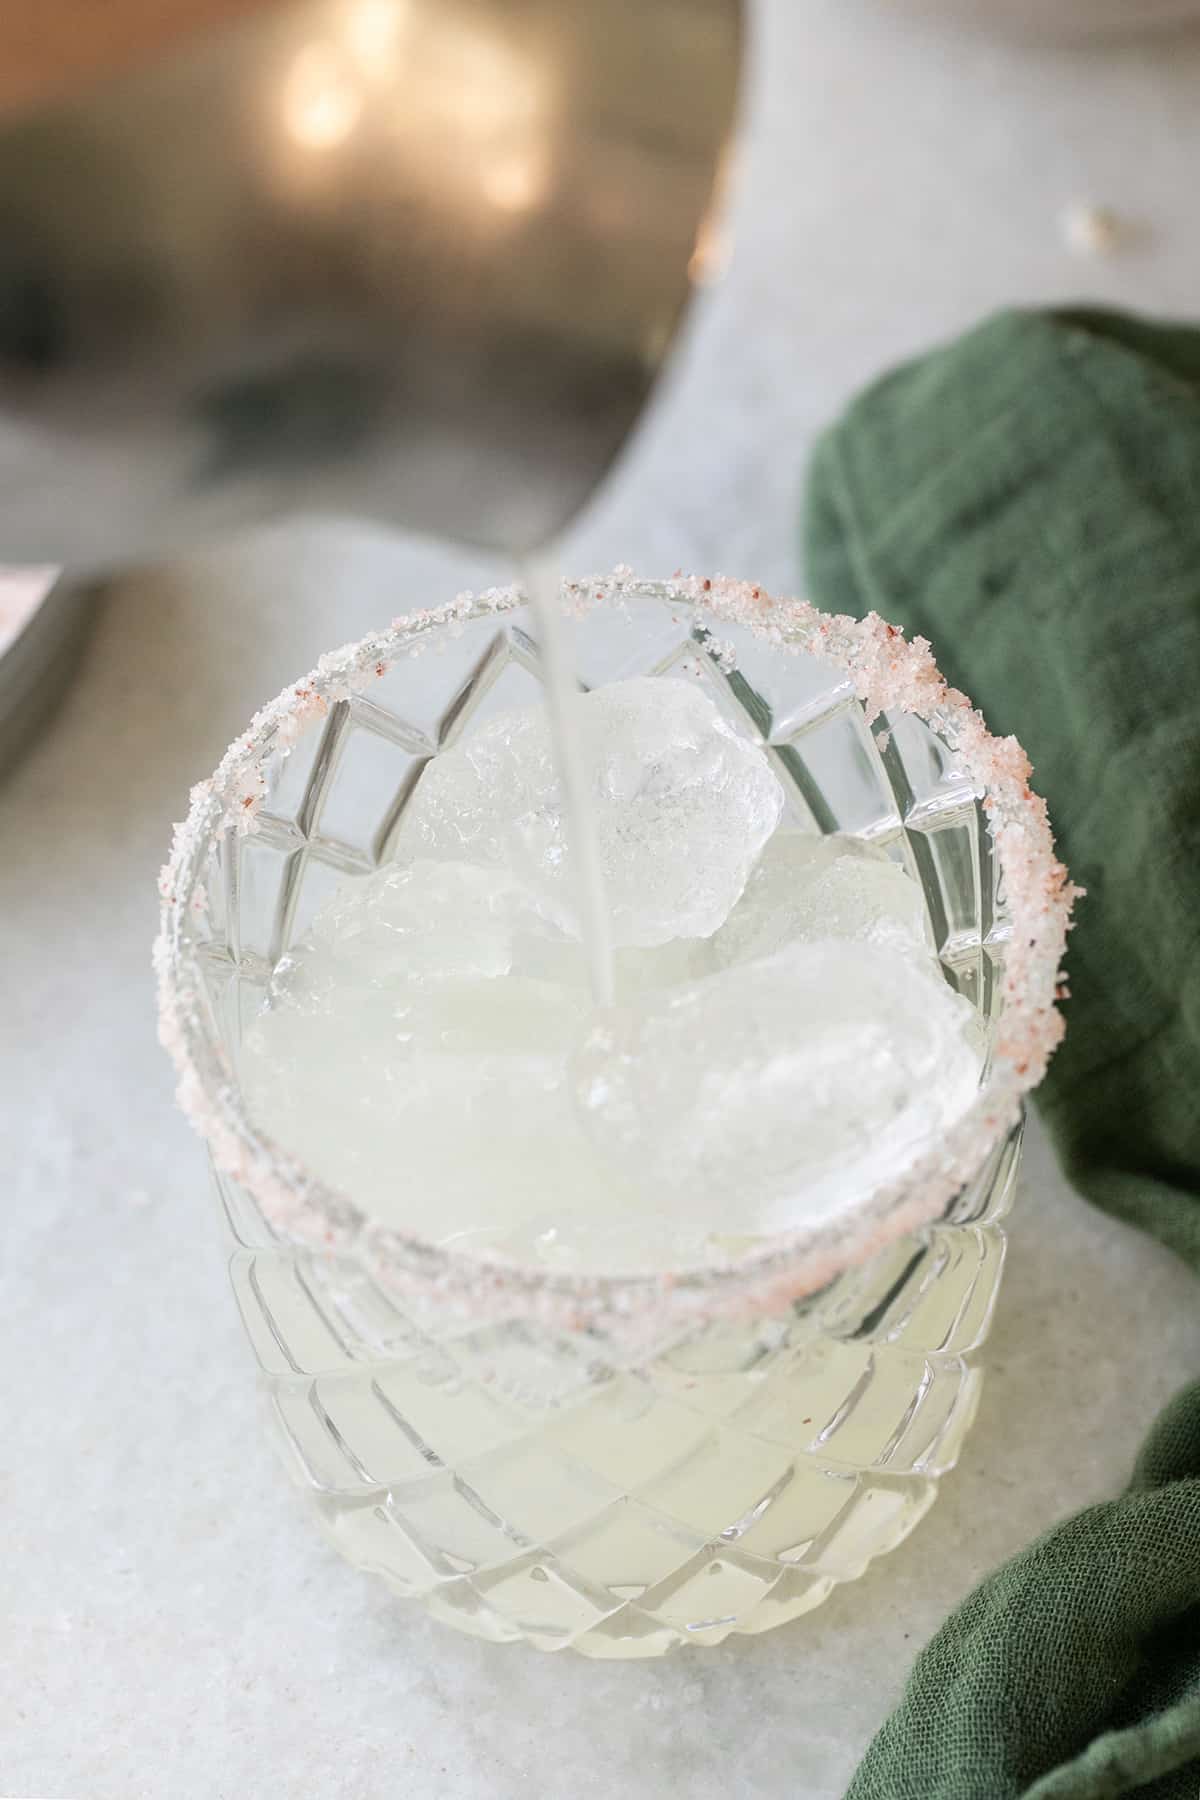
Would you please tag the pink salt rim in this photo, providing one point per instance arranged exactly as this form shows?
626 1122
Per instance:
890 674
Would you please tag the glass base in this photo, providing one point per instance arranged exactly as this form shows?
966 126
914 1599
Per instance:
525 1491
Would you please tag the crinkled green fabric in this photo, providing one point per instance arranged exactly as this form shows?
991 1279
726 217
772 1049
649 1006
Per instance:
1029 500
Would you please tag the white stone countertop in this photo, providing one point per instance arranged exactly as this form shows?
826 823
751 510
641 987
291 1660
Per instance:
170 1623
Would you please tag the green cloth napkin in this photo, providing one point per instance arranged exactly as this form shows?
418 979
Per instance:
1029 500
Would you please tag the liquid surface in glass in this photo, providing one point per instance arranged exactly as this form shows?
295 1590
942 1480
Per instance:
605 1008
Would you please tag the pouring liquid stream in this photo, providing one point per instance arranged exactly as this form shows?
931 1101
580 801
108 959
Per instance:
542 591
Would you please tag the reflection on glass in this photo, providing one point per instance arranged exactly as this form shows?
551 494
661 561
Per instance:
515 182
322 102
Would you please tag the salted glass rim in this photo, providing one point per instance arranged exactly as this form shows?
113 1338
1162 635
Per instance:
890 673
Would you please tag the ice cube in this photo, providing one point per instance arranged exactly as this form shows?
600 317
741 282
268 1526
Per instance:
396 1050
779 1088
428 1101
422 1137
426 921
806 888
413 955
564 960
683 806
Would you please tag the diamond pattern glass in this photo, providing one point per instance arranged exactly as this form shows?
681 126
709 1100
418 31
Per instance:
526 1482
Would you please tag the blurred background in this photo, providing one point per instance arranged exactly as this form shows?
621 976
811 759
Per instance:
171 1624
